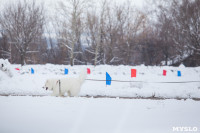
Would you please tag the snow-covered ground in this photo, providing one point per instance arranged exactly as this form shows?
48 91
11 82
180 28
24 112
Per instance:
96 115
25 83
48 114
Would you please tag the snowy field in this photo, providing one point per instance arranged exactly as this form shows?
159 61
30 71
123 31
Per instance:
25 83
96 115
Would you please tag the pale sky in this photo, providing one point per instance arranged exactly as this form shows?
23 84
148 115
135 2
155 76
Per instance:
51 3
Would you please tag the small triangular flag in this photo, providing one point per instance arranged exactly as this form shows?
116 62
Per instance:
179 73
66 71
108 79
88 71
164 72
17 69
32 71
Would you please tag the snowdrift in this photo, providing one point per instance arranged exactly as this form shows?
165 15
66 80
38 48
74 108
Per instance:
25 83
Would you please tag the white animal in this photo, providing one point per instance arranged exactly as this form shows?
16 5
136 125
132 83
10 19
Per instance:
50 84
70 85
5 67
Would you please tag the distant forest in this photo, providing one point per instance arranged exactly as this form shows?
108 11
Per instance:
81 33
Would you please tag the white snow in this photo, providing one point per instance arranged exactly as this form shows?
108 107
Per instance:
25 83
48 114
90 115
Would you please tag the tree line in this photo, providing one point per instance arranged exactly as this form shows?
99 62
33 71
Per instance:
81 33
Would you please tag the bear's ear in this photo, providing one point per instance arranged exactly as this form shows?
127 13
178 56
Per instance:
2 65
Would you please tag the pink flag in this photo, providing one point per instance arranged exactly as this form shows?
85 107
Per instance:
17 69
164 72
133 72
88 70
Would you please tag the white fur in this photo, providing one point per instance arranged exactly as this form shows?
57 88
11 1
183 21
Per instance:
71 86
5 67
50 84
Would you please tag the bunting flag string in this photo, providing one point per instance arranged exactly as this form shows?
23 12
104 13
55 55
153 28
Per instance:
143 81
133 74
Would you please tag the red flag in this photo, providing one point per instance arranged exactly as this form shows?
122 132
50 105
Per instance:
133 72
164 72
17 69
88 70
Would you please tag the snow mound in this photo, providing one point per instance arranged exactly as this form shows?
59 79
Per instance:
181 66
147 83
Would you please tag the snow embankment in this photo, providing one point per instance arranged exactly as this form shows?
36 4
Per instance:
25 83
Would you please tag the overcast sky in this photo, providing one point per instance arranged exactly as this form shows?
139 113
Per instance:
50 3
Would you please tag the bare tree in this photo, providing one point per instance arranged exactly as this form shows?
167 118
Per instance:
5 48
95 30
178 21
23 23
185 16
123 25
72 27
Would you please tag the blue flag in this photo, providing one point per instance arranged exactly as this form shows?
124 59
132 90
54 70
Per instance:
108 79
179 73
32 71
66 71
